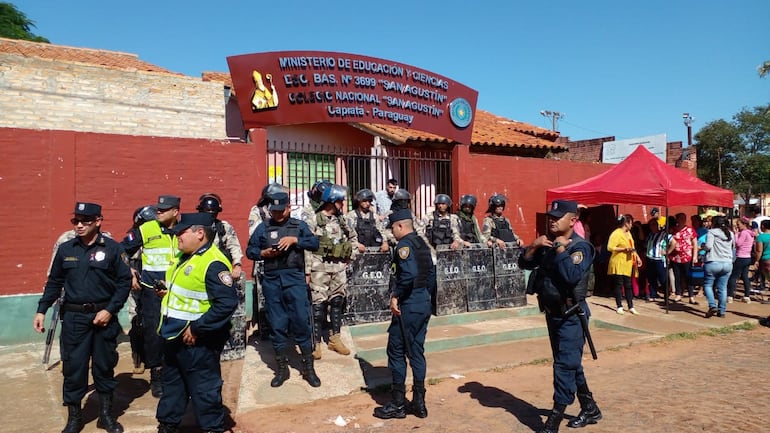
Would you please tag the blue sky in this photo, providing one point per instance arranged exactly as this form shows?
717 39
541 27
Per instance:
619 68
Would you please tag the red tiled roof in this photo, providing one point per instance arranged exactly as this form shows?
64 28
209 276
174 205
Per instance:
110 59
488 130
222 77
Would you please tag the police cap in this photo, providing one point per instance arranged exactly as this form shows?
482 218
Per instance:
278 202
166 202
193 219
88 209
559 208
399 215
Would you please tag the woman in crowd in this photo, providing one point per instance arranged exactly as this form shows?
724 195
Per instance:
762 246
744 243
658 248
621 266
720 246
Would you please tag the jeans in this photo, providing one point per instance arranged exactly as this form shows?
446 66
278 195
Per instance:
719 272
740 270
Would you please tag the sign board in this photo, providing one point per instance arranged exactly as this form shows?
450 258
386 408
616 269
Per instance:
616 151
294 87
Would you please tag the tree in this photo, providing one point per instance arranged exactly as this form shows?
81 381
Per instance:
764 69
15 25
736 155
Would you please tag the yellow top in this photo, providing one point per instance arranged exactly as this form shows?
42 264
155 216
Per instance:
621 263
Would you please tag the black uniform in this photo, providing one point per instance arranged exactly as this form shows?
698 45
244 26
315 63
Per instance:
94 277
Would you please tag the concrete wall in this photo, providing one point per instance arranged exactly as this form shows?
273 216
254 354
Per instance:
39 93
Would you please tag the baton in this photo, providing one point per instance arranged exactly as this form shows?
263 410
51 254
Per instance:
52 331
583 324
403 336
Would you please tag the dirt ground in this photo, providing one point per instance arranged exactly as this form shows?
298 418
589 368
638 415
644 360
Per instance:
710 383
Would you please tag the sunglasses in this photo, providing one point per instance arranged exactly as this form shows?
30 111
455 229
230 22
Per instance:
85 222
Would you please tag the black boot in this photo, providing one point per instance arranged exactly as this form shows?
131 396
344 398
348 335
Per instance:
156 387
308 371
106 420
417 407
554 419
319 318
282 371
167 428
74 419
589 411
396 408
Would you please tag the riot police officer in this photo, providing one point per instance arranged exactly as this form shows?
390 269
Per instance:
315 195
259 212
410 303
328 265
561 263
402 199
93 271
225 237
441 226
366 224
281 242
497 229
469 225
135 334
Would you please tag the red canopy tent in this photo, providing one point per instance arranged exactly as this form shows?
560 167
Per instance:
642 178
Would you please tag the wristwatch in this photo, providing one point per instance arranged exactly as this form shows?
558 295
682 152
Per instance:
556 245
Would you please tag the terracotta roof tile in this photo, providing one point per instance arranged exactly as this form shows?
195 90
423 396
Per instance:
110 59
222 77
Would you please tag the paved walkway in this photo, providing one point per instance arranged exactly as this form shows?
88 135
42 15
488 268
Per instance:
32 393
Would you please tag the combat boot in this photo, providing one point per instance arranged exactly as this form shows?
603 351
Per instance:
319 317
138 365
106 420
308 370
335 316
282 370
554 419
74 419
156 387
589 411
417 407
395 408
167 428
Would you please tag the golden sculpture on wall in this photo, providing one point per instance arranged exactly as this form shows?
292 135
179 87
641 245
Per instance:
263 98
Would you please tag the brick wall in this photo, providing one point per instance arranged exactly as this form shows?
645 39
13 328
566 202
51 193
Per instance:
38 93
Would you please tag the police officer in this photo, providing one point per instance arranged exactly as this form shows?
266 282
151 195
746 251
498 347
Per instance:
198 301
410 303
497 229
135 334
158 248
402 199
281 242
225 237
561 262
315 194
366 224
259 212
94 273
441 226
328 279
469 225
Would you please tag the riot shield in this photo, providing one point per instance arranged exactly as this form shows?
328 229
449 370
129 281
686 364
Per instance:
509 278
451 295
478 271
368 299
235 348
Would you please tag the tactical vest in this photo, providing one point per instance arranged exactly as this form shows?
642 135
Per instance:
424 265
440 232
158 248
368 235
502 230
187 299
220 238
467 228
333 248
291 259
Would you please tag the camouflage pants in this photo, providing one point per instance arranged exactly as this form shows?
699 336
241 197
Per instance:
327 279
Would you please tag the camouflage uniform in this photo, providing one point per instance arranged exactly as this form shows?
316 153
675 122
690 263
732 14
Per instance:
474 233
454 224
257 214
352 220
228 242
489 225
327 273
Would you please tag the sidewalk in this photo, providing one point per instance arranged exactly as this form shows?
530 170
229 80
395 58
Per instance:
456 345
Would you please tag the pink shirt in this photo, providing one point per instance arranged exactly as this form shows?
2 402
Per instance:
744 241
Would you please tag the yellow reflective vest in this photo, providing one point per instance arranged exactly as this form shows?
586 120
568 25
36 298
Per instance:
158 248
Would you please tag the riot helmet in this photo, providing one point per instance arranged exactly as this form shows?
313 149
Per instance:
495 201
144 214
401 200
364 195
333 194
267 191
318 188
209 204
468 200
443 199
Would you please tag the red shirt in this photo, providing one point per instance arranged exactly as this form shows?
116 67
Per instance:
683 251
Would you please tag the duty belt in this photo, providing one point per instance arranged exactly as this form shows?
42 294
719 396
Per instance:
90 307
333 259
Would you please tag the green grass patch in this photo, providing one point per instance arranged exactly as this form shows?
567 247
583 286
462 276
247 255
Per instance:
435 380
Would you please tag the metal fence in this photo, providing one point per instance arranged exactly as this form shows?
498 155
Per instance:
422 172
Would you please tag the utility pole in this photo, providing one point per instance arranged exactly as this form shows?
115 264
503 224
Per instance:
554 115
688 123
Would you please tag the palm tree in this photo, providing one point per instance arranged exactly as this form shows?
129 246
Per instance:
764 69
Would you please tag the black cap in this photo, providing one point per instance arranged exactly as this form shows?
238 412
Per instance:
88 209
654 210
166 202
193 219
399 215
278 202
561 207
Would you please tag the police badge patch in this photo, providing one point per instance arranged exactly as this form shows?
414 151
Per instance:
577 257
403 253
226 278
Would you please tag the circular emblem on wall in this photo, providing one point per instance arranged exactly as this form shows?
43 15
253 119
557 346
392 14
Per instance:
460 112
